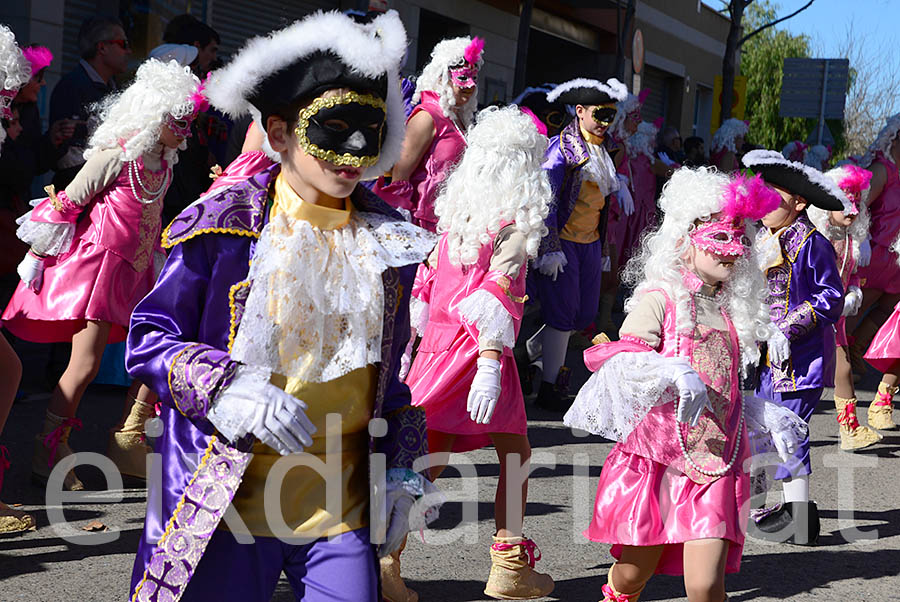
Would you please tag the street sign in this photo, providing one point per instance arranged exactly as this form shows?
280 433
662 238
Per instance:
814 88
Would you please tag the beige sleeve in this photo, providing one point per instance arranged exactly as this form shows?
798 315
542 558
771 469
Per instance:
100 170
646 320
509 251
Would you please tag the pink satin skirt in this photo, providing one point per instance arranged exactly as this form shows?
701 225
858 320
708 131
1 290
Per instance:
884 351
439 383
644 503
88 283
883 272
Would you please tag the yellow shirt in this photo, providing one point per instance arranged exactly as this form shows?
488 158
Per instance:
304 507
584 223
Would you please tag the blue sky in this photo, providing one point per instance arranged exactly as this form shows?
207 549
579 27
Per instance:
876 24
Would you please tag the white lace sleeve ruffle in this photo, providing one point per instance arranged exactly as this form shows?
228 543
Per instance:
44 238
767 421
494 323
616 397
418 487
418 315
234 412
553 256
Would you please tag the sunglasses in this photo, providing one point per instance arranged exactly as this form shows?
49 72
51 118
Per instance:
121 43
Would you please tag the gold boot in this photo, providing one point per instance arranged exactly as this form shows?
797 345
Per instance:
512 570
853 435
127 446
51 446
611 594
14 521
881 410
393 589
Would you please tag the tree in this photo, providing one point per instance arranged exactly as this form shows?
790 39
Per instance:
762 59
734 9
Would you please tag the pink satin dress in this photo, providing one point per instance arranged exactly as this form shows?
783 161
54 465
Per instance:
847 264
884 350
642 184
445 363
648 494
107 270
883 272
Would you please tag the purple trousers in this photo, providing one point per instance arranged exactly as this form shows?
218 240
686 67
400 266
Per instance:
803 403
343 570
571 301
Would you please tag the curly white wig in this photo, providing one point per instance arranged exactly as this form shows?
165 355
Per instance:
689 195
643 141
435 78
883 141
817 156
15 70
858 230
499 179
623 108
726 134
132 119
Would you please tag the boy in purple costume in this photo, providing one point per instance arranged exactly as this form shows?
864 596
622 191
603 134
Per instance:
569 265
200 338
806 298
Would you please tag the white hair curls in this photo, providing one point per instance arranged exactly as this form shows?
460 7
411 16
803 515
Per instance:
858 230
883 141
499 179
689 195
15 70
435 78
727 133
643 141
132 119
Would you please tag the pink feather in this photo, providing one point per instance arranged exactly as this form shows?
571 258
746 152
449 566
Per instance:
541 127
657 123
473 51
642 96
198 99
854 180
749 198
39 57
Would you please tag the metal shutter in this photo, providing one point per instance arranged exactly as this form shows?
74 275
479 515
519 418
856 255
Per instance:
74 14
238 20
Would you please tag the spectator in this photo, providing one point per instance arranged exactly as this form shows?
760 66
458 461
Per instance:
694 152
185 29
104 50
670 144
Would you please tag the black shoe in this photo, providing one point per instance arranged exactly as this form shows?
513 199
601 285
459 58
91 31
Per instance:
551 398
793 522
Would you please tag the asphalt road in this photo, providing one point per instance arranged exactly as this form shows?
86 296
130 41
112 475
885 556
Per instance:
858 556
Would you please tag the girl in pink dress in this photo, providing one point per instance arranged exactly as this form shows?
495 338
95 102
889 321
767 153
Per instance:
95 248
880 275
884 355
673 495
447 93
845 230
15 72
726 145
464 374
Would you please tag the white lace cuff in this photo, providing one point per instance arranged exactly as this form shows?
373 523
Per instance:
616 397
418 487
45 238
767 420
418 315
551 258
237 406
494 323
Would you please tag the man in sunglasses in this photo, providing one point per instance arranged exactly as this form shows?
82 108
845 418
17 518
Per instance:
105 51
570 260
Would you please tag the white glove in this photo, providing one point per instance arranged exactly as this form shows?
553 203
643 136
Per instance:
664 157
779 347
31 271
852 301
250 404
865 253
552 264
626 201
399 503
693 397
784 446
485 391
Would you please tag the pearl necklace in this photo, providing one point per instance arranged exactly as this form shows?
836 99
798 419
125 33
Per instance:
148 196
681 443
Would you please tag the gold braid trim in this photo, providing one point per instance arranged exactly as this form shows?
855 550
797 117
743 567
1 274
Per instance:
50 189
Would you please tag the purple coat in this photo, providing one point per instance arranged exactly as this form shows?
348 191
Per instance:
805 298
178 345
566 155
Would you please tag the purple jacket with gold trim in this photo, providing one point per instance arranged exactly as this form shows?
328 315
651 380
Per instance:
178 345
805 298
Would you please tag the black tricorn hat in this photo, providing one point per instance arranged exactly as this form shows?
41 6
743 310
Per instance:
816 188
583 91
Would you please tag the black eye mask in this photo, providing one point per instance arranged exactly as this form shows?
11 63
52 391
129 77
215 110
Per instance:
344 130
604 115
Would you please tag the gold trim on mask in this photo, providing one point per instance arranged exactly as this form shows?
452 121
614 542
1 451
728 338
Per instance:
327 102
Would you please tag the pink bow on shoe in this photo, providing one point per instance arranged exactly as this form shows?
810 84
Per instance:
54 437
848 416
611 595
534 552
